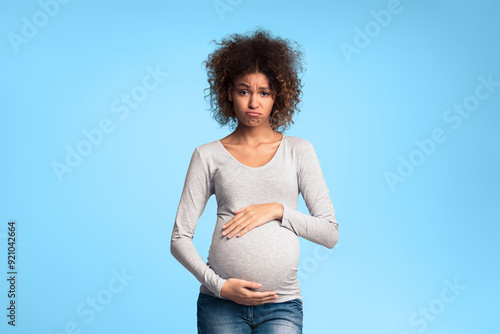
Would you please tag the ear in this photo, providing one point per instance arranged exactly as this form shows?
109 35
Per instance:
230 93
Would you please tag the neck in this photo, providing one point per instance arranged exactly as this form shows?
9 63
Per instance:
254 135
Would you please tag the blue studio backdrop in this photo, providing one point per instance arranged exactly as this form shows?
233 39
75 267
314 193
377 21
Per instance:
103 105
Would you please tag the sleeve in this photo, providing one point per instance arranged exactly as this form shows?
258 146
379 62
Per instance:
320 227
197 190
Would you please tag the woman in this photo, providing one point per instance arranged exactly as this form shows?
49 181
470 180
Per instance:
249 283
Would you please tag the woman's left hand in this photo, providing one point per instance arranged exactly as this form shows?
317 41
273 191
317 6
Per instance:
251 216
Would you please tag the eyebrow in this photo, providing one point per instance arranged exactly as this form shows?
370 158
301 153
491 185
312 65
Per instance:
247 86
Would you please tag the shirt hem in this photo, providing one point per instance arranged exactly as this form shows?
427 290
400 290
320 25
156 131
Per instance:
280 299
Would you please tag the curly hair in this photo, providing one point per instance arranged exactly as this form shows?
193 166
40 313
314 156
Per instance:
256 52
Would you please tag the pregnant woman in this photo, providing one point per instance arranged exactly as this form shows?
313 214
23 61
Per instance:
249 283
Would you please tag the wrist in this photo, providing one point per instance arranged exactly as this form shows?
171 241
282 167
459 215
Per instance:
222 290
279 211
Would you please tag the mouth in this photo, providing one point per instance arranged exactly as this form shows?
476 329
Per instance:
253 113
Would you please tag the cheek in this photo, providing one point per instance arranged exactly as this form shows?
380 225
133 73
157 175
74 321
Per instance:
237 104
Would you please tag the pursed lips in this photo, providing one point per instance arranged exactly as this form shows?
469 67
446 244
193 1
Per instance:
253 113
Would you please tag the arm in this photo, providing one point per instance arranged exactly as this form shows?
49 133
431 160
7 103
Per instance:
197 190
321 226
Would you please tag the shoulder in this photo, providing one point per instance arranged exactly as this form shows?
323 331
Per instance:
299 144
207 149
206 154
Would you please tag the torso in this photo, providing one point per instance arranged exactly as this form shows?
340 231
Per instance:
269 253
252 156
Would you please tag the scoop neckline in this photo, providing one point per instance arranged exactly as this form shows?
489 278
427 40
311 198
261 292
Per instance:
278 150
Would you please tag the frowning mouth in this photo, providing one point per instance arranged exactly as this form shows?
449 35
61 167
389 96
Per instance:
252 113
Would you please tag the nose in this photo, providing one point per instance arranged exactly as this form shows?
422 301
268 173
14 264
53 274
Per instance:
253 103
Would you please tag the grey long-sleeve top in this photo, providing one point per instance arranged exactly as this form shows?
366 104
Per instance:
267 254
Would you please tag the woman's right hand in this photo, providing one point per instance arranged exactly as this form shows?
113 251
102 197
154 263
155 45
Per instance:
238 290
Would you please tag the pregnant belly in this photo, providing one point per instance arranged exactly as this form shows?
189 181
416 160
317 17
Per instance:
268 255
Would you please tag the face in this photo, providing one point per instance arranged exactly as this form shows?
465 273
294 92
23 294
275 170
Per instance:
252 99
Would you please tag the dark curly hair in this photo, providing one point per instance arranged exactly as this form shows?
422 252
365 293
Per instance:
256 52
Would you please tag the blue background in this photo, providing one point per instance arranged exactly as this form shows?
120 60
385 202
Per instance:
401 245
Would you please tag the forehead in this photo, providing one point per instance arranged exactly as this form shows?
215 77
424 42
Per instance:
253 80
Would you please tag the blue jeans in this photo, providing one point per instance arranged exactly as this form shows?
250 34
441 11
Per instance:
222 316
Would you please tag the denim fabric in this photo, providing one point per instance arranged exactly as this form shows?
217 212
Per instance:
221 316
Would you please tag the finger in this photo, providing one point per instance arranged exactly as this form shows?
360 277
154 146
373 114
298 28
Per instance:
262 295
230 228
241 209
230 222
235 220
256 301
237 229
251 285
267 300
230 225
270 299
247 228
243 231
257 298
268 294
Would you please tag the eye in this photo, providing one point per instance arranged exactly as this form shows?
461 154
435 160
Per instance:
243 92
265 93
